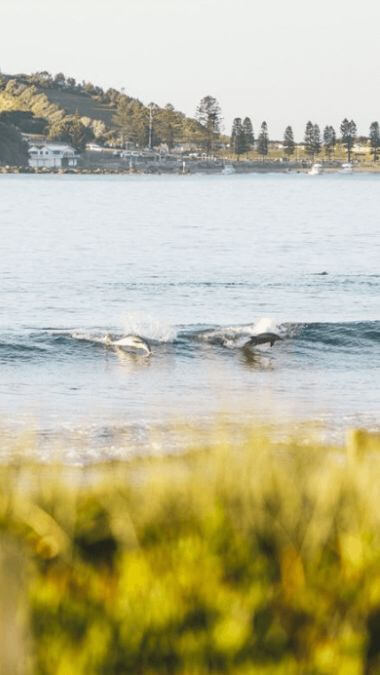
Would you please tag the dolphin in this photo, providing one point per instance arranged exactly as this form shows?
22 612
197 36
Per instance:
129 343
262 339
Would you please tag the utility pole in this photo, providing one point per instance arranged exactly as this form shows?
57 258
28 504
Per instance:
150 126
122 89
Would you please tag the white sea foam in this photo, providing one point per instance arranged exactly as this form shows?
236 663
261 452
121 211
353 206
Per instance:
138 323
86 336
266 325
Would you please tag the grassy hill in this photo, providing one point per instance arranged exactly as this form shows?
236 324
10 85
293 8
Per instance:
53 100
103 112
109 117
55 104
82 103
52 103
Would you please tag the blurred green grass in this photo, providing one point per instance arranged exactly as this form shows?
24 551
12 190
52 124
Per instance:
256 557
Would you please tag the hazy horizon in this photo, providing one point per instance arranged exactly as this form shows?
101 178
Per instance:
275 62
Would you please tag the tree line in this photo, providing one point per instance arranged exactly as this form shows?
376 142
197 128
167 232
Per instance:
243 140
152 125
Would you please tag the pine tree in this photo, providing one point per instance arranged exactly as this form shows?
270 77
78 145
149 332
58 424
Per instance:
248 134
209 117
329 140
168 125
309 139
238 139
132 118
289 143
348 131
312 140
263 141
153 138
374 138
316 140
124 119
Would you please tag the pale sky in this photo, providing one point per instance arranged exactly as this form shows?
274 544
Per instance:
285 61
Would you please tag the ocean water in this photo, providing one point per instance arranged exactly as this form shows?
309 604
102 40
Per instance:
195 265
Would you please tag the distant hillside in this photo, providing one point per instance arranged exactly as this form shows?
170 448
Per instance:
108 116
83 104
56 98
20 96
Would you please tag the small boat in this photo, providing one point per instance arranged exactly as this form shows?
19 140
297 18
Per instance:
228 170
316 169
346 168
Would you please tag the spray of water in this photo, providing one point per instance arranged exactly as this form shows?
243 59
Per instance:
138 323
266 325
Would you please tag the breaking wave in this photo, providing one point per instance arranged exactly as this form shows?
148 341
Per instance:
87 343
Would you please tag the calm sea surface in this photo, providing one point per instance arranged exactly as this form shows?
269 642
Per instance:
195 265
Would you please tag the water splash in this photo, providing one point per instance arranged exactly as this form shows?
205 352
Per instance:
266 325
138 323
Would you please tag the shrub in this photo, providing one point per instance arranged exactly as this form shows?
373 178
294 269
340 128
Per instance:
257 558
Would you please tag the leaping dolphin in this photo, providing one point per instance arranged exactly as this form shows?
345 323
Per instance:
129 343
262 339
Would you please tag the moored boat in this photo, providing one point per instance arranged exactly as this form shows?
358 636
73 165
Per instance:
346 168
316 169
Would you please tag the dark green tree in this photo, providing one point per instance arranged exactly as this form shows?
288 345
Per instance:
289 143
123 119
25 121
248 134
71 130
60 80
192 131
168 124
316 140
308 139
132 118
263 141
374 139
209 117
348 131
13 149
329 140
71 82
88 87
42 78
238 139
312 140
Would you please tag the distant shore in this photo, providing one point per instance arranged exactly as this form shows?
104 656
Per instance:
14 170
187 168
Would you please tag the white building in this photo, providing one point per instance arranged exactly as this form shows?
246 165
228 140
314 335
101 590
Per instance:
361 148
52 155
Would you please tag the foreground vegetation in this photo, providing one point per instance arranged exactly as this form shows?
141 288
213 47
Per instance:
256 557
